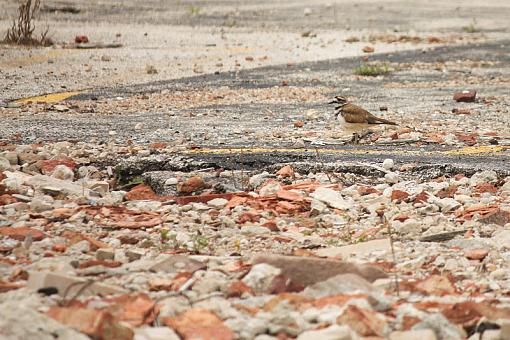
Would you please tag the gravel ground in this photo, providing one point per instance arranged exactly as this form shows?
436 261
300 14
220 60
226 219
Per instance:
196 185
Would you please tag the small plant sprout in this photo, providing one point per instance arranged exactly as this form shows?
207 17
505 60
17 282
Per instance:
371 70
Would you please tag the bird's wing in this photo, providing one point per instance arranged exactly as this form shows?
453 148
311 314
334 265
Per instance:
354 114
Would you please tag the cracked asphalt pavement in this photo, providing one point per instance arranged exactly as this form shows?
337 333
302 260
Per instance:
259 76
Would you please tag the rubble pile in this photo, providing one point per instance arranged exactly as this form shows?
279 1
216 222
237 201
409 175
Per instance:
247 255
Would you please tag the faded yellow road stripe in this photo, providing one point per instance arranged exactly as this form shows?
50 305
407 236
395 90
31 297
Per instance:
476 150
468 151
49 98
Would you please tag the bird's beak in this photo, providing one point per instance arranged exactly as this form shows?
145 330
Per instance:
333 102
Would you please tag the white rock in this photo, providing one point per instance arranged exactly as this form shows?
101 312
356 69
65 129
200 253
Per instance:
441 326
155 333
257 180
488 176
80 247
144 205
254 230
447 204
317 207
63 172
52 185
171 181
332 198
217 202
499 274
101 187
337 285
265 337
333 332
247 327
409 227
270 189
502 239
391 178
388 164
40 204
260 277
11 156
506 186
4 164
422 334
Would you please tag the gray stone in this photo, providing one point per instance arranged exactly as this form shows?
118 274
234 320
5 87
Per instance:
333 332
358 249
332 198
105 254
20 322
176 264
257 180
56 186
310 270
173 306
441 327
261 276
212 281
134 255
69 285
39 204
339 284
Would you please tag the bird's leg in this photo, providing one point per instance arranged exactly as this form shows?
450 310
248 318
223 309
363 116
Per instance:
355 138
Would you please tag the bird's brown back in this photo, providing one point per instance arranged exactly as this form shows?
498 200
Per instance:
356 115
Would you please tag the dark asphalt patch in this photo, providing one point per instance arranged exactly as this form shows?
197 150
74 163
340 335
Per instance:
270 76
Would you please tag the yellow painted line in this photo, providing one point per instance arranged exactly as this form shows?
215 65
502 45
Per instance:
468 151
476 150
49 98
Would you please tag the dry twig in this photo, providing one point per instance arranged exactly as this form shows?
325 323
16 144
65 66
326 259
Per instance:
22 30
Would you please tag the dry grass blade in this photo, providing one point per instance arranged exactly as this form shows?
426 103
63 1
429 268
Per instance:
22 30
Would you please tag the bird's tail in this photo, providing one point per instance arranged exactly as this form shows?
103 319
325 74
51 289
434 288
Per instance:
378 120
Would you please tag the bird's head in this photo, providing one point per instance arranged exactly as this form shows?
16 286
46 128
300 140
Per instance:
339 100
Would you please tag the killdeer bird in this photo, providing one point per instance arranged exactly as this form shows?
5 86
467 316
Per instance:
353 114
356 118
